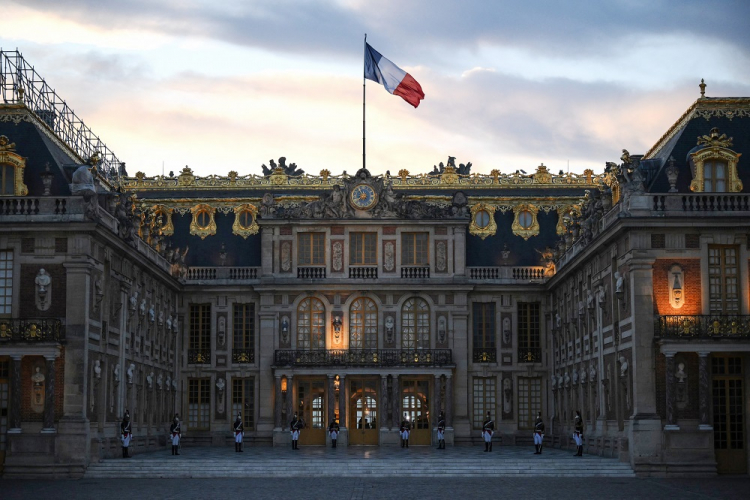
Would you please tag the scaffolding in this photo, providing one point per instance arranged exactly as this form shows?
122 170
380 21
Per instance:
21 84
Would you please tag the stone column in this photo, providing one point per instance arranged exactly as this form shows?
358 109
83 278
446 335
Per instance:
342 401
15 395
289 399
704 423
266 344
396 402
331 400
449 400
383 402
438 398
49 397
671 421
277 404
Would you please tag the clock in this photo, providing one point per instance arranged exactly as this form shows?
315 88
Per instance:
363 197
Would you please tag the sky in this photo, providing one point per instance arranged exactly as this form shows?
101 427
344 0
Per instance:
228 85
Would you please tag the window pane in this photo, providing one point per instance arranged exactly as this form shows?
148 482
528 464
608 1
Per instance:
6 284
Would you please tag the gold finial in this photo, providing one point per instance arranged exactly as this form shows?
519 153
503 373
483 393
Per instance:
703 88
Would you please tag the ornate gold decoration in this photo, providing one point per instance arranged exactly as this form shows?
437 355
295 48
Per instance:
449 175
209 229
167 228
717 149
495 176
403 173
325 174
278 176
242 230
490 229
186 177
517 228
17 162
542 175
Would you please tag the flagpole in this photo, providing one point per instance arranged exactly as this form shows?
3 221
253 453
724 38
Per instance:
363 104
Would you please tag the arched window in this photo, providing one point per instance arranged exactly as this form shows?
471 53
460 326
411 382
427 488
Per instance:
415 324
363 324
311 324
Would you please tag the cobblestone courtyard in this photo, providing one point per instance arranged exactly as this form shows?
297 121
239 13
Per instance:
374 488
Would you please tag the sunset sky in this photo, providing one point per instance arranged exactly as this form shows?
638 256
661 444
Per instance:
227 85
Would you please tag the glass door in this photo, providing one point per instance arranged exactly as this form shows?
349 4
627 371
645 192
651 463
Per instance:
728 409
415 408
363 412
311 408
4 409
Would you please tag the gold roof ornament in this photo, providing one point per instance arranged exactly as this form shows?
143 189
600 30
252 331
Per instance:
715 140
6 145
702 85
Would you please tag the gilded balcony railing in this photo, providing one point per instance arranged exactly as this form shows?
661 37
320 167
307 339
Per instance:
364 357
703 327
31 330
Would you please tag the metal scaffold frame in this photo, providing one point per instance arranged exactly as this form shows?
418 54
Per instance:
21 84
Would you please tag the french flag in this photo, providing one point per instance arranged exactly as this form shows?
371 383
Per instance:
394 79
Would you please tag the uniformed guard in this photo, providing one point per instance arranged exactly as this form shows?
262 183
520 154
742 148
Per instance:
239 433
441 431
175 433
578 434
333 430
126 434
538 434
488 429
405 431
295 426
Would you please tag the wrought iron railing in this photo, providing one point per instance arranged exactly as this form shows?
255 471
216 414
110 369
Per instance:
364 357
703 327
243 356
20 83
363 272
529 354
311 273
31 330
482 355
415 272
199 356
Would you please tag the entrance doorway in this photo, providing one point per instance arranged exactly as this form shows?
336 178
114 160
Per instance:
729 421
4 409
415 408
311 408
363 412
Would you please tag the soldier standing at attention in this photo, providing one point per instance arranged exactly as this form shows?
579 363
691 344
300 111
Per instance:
578 434
441 431
294 427
538 434
333 430
405 431
239 433
488 429
176 434
126 434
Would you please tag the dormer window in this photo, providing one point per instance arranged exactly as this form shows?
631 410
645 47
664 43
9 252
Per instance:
714 165
714 176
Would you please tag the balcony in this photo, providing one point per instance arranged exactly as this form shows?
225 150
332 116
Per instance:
218 274
31 330
243 356
199 356
420 272
311 273
364 357
507 274
529 354
711 327
365 273
485 355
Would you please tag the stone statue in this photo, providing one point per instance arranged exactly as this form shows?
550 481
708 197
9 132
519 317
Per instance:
169 383
390 323
142 308
43 282
222 330
97 369
680 375
558 320
151 314
161 318
133 302
159 381
116 374
130 373
506 331
83 184
623 366
37 380
619 282
507 395
285 330
150 380
441 329
169 322
592 372
601 296
575 377
589 300
581 310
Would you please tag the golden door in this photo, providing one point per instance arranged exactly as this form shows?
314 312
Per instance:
415 408
363 412
311 408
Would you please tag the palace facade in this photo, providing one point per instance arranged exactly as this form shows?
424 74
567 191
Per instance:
373 299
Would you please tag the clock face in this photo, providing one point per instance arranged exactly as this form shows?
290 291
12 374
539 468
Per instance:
363 197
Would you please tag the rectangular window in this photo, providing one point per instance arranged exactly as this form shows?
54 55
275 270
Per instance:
483 319
7 179
529 401
199 341
243 401
414 249
529 333
714 177
311 249
723 280
484 399
199 403
243 333
6 281
363 248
